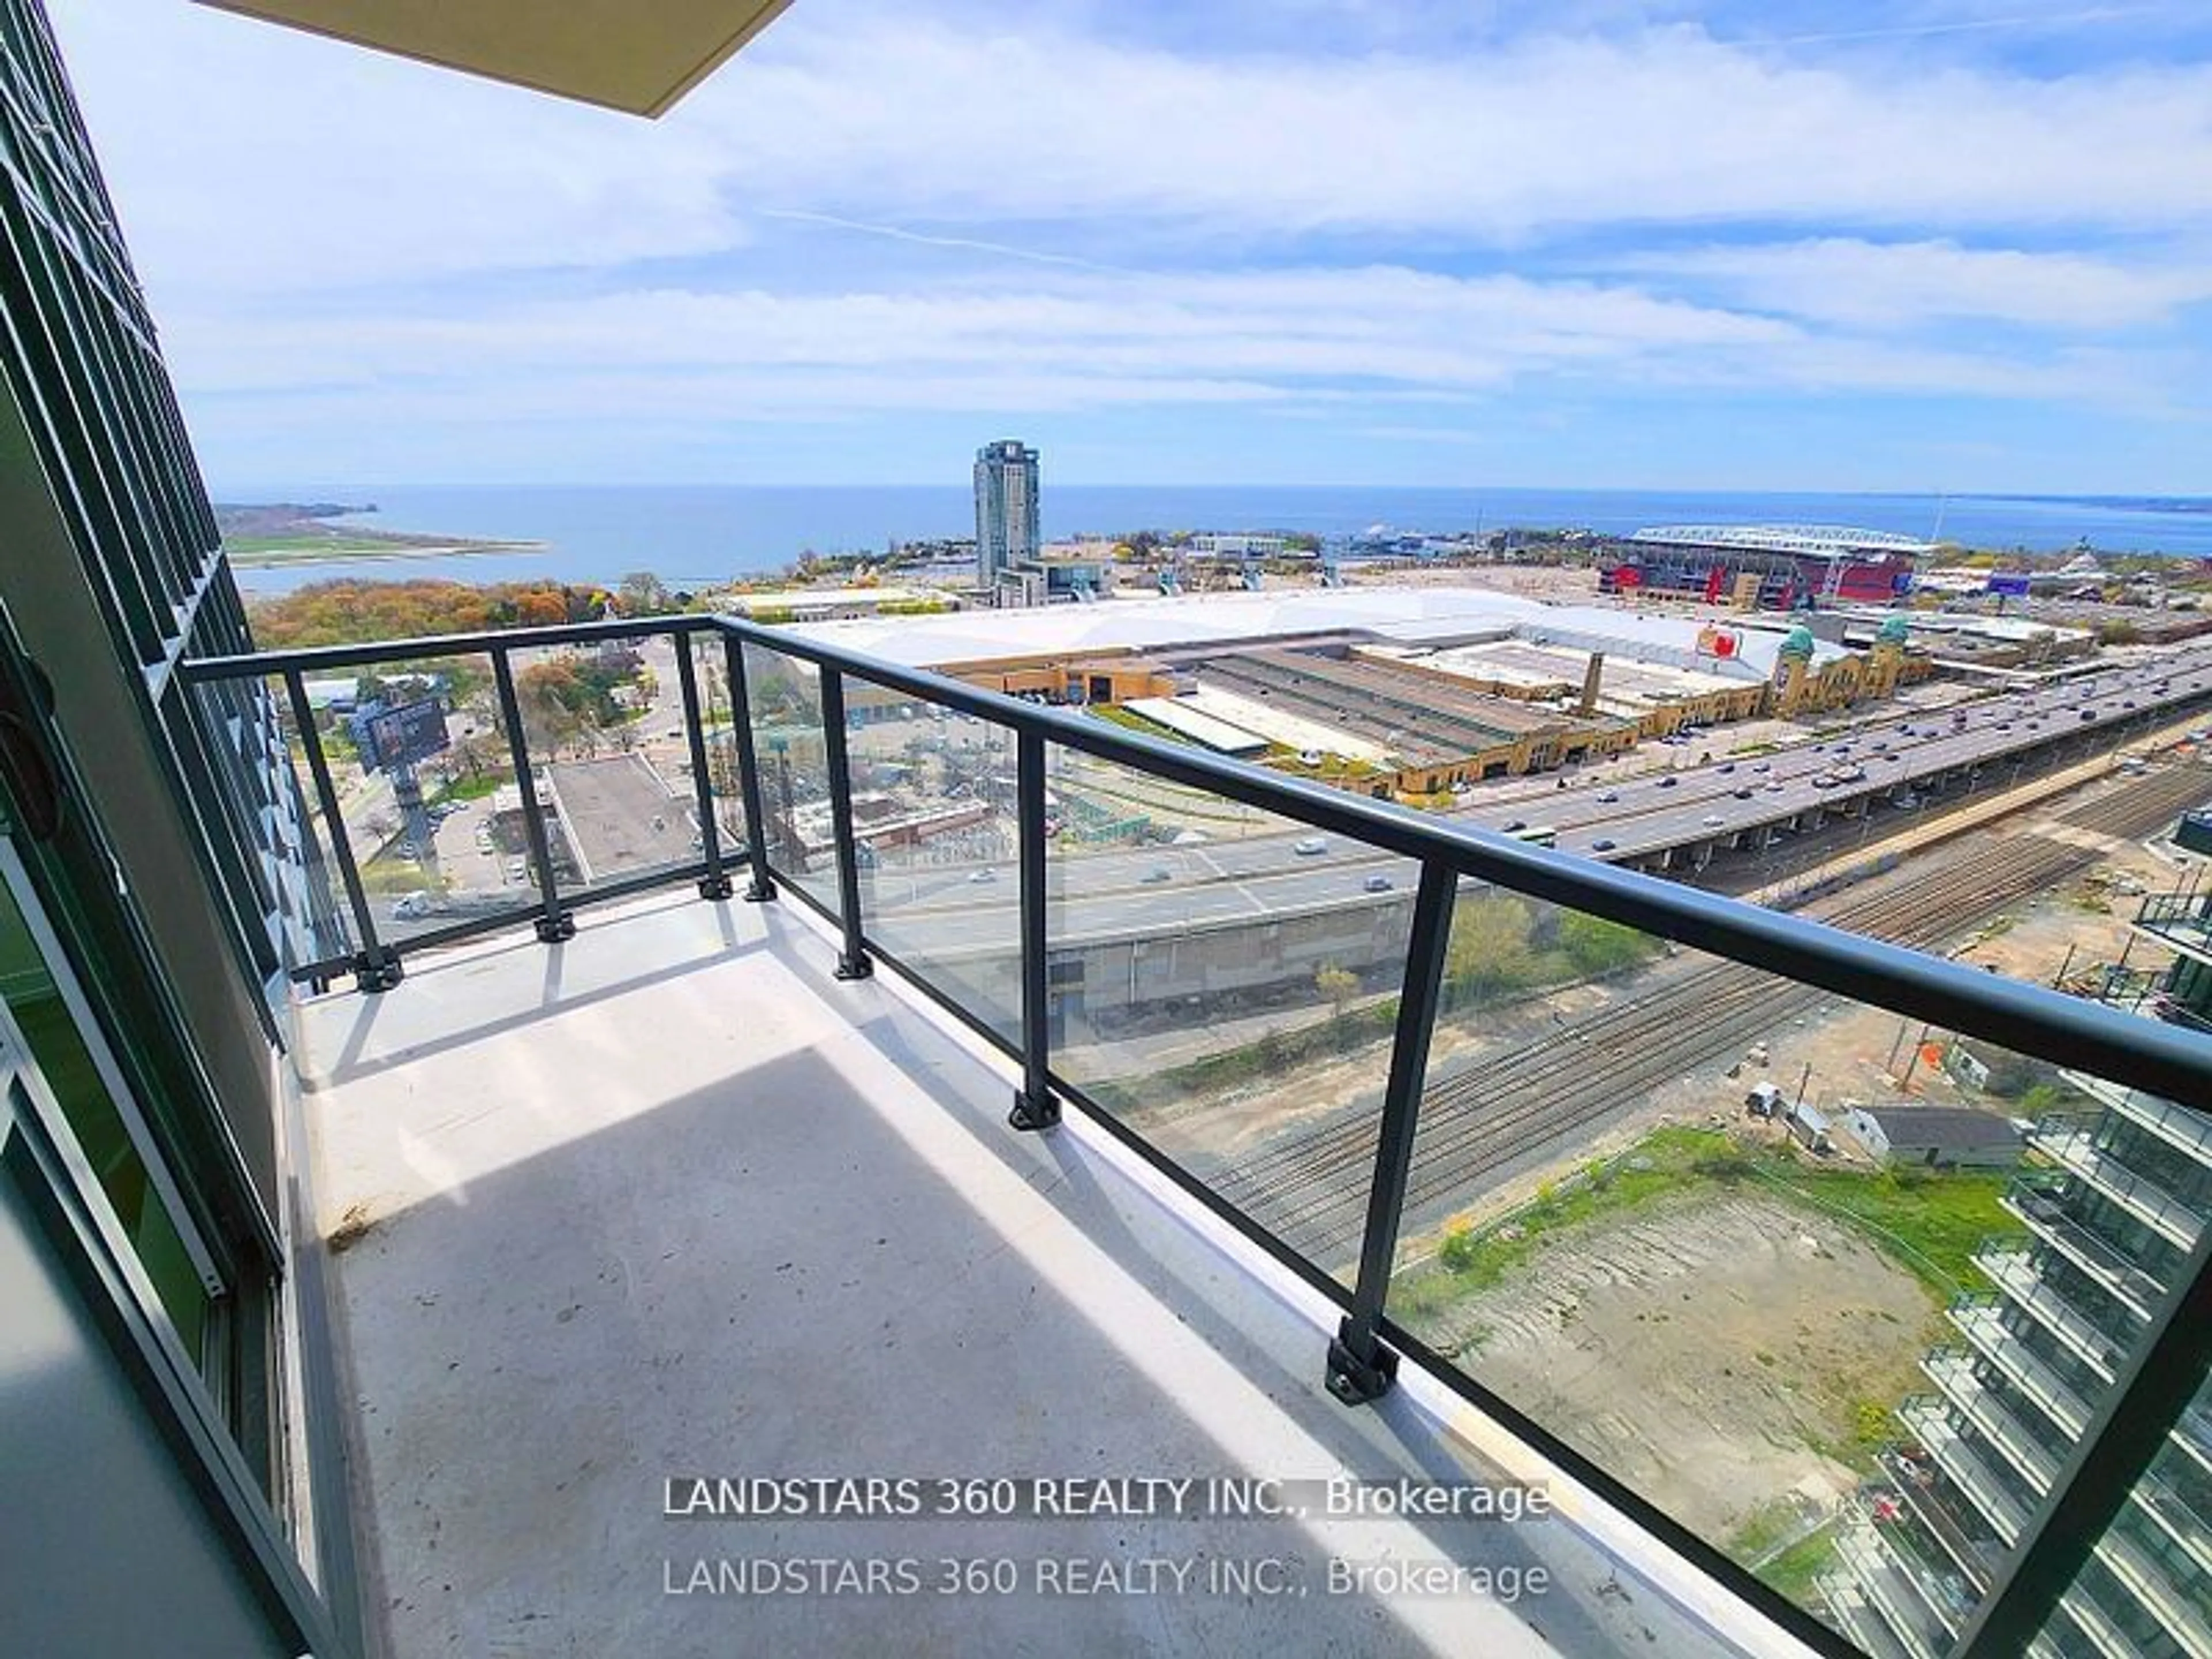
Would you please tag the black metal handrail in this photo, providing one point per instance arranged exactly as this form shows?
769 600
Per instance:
2030 1019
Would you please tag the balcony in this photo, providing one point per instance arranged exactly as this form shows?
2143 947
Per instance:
2073 1145
626 1188
1984 1326
1965 1538
2152 1584
1892 1591
2158 1498
2041 1204
2183 921
667 1200
2014 1273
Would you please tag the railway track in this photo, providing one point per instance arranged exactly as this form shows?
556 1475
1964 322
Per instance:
1490 1111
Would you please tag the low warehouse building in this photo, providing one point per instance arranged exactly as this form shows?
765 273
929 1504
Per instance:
1935 1136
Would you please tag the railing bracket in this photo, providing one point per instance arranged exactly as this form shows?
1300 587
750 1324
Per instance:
855 967
1034 1112
551 930
716 887
1355 1381
378 970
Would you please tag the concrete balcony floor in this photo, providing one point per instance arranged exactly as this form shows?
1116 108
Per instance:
667 1200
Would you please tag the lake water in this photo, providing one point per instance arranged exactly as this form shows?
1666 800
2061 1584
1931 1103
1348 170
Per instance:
692 536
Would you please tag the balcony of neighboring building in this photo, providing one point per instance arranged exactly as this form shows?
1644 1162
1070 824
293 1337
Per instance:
1890 1588
2072 1142
1984 1405
2182 922
1928 1419
2012 1271
2043 1203
1984 1328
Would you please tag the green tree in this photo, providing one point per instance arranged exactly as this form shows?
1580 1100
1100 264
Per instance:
1339 984
1490 948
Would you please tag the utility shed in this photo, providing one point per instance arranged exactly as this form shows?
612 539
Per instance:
1936 1137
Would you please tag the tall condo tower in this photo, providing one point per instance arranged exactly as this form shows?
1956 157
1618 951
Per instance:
1005 507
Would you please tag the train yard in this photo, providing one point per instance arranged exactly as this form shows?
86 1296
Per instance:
1487 1115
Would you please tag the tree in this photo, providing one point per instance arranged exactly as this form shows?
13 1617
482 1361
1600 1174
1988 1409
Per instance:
641 593
1489 949
1339 984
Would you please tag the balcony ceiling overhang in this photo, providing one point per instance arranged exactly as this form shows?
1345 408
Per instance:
637 56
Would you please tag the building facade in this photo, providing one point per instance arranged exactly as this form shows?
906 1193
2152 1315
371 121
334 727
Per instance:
2119 1191
1006 524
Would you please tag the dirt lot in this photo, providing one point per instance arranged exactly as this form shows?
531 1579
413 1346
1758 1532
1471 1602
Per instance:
1704 1350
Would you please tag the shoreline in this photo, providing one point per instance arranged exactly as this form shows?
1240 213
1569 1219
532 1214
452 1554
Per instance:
308 553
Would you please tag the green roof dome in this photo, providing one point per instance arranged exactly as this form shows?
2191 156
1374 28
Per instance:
1895 629
1799 644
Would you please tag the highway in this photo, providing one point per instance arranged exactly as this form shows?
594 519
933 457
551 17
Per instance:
1146 891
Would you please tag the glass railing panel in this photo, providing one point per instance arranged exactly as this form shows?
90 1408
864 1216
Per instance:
318 922
934 819
1708 1225
428 801
1225 981
784 697
608 737
710 665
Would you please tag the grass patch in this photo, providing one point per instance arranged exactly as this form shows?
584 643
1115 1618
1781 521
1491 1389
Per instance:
1128 720
475 788
1793 1572
1928 1223
1664 1161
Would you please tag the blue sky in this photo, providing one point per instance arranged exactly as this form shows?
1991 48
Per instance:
1911 245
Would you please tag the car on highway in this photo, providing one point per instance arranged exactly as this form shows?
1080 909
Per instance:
1158 873
409 906
1824 780
1667 783
1743 793
1608 797
518 870
1725 767
1603 845
1714 820
1512 824
987 874
1377 885
1309 847
1763 766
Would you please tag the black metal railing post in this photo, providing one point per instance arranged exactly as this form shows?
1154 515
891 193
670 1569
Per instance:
853 961
375 966
762 888
2156 1384
1036 1106
715 884
1360 1367
554 924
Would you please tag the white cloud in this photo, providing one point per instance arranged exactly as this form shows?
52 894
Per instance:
1900 284
1372 335
283 161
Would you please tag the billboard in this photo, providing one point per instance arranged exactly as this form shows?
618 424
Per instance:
1719 642
2012 584
400 736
